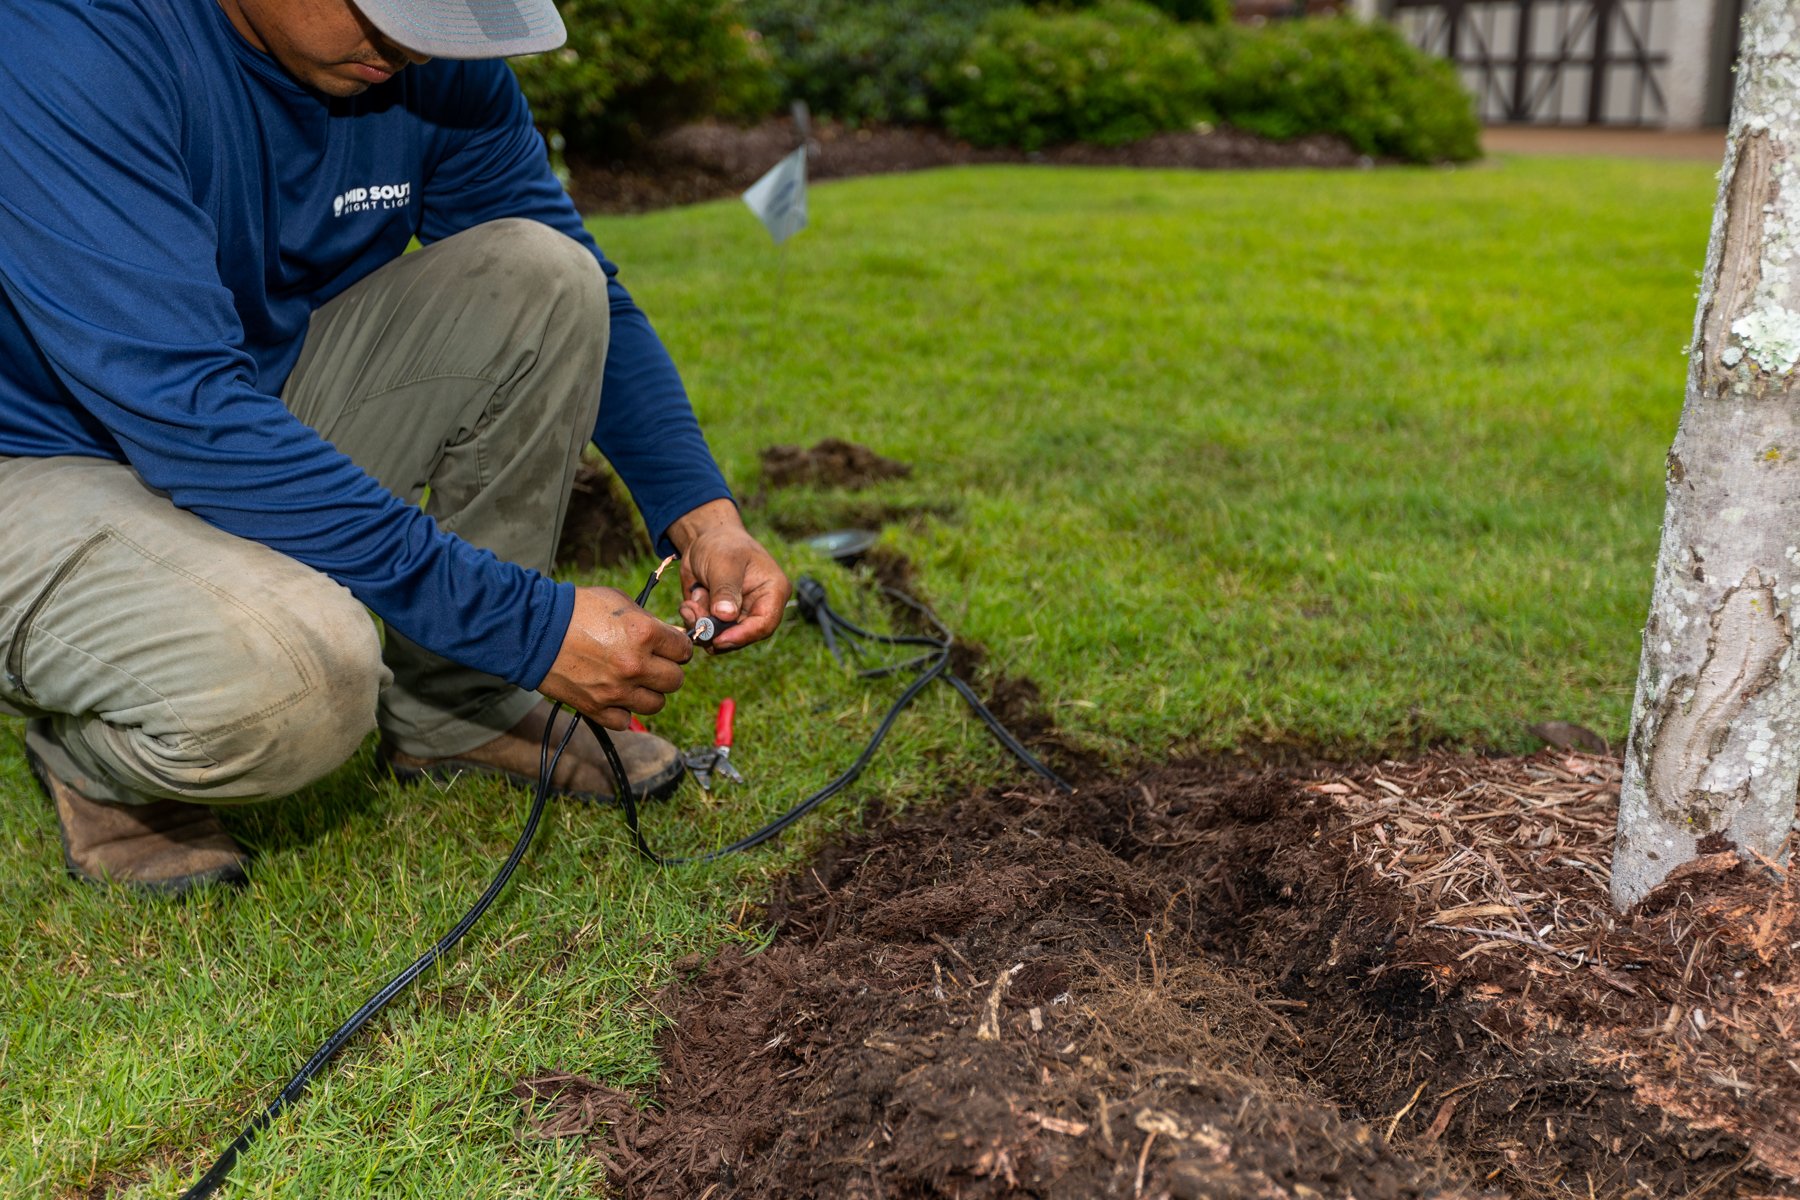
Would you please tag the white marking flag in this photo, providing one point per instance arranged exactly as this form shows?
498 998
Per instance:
779 198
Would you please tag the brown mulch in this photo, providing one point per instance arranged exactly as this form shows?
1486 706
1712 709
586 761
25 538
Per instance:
831 462
1219 981
1694 996
708 160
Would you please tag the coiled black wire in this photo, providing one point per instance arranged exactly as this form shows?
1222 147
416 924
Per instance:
837 631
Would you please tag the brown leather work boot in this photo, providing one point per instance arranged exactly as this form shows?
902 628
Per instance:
165 847
653 765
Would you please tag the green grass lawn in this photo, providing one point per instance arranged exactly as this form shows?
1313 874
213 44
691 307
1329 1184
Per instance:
1352 462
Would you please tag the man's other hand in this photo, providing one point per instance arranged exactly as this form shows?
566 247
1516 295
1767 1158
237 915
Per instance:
616 659
727 575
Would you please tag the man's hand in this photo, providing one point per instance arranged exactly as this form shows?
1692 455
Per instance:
616 659
727 575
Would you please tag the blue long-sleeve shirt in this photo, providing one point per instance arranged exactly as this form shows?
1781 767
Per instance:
174 206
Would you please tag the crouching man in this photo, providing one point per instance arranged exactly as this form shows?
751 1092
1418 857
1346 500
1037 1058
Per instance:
235 417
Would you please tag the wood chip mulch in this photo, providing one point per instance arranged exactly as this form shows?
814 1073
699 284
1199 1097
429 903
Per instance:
1694 995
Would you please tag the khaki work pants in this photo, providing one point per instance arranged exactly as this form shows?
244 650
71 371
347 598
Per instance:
174 660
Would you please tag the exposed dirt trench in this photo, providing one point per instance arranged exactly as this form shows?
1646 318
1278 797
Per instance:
1180 984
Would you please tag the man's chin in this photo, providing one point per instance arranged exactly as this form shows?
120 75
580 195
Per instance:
336 86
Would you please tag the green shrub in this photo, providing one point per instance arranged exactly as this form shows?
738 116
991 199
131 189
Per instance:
1203 12
890 60
868 60
1200 12
1121 71
1111 74
633 67
1363 82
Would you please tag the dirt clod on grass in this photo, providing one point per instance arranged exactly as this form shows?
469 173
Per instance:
601 528
1209 981
831 462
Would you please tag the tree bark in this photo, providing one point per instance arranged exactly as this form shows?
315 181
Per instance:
1714 751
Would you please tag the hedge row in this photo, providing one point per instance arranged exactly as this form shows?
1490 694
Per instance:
996 72
875 61
1124 71
1112 74
1363 82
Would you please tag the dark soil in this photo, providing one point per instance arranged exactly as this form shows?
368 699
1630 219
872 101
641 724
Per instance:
832 462
1189 983
709 160
601 528
993 1003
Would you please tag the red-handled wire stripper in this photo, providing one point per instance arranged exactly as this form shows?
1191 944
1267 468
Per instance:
707 761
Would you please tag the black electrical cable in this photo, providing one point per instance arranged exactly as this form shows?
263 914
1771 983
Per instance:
835 628
296 1087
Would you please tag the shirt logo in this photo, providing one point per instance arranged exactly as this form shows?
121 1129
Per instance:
368 199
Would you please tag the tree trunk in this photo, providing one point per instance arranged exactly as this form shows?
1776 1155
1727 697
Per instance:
1714 754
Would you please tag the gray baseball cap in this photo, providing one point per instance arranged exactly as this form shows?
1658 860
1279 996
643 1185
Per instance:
468 28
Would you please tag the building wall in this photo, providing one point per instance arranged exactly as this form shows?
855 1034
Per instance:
1691 65
1655 63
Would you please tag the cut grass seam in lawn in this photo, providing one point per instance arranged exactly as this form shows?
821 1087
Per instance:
1352 461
